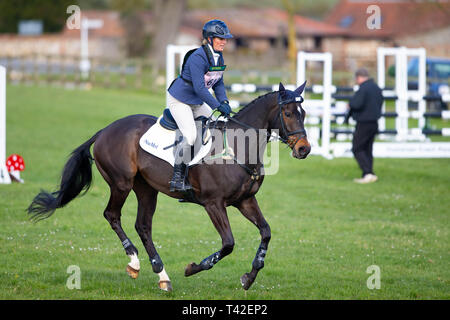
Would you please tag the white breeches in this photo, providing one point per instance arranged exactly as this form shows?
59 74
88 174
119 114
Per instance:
184 115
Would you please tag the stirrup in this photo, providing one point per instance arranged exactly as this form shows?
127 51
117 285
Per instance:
181 186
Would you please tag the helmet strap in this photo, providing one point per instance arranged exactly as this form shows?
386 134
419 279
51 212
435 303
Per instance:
210 41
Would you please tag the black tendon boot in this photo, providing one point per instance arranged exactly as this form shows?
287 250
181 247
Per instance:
179 182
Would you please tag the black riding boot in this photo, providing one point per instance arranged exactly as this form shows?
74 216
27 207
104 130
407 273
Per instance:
179 182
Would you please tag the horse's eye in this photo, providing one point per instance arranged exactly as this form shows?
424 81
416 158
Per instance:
287 114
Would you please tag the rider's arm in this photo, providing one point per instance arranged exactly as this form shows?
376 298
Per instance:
219 90
198 67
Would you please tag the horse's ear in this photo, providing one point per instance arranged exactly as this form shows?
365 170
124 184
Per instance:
281 87
300 89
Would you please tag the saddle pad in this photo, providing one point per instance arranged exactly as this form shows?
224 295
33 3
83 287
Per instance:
157 138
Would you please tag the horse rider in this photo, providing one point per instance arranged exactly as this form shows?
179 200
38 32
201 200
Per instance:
189 96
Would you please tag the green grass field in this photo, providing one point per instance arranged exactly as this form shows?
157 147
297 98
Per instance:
326 230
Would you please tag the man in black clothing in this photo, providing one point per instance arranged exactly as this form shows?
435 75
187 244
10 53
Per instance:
365 109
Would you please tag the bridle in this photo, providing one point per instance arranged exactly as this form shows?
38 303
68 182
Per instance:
287 140
287 135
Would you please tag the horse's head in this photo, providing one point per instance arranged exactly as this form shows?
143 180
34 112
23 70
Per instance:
291 120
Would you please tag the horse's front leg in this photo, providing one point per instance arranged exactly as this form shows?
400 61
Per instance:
250 209
218 214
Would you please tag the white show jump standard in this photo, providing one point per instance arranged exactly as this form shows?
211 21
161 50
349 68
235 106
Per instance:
401 90
318 107
4 175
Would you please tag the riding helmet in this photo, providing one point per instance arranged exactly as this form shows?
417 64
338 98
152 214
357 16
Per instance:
216 28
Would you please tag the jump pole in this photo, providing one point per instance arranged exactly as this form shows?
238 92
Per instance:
4 175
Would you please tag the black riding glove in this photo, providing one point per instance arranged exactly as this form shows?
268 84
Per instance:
224 108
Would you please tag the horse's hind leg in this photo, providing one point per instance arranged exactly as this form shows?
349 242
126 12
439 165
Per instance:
112 213
147 197
218 215
250 209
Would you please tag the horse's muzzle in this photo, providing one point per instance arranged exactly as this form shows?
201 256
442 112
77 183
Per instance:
301 149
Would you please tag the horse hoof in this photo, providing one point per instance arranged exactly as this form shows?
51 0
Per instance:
165 285
190 269
133 273
246 281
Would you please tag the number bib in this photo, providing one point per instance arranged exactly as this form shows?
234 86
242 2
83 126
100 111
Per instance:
213 75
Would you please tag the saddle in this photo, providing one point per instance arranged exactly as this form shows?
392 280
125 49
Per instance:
167 120
162 138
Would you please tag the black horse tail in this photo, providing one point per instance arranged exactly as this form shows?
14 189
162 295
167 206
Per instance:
76 176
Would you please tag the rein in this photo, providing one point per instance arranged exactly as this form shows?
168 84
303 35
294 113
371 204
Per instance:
288 141
291 143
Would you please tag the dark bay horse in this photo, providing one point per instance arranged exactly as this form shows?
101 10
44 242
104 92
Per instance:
125 166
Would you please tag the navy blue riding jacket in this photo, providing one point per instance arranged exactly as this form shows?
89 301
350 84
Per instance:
190 87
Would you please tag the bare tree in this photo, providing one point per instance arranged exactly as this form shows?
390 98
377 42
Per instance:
136 39
292 45
168 15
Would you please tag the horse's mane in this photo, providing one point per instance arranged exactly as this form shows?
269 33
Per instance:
260 99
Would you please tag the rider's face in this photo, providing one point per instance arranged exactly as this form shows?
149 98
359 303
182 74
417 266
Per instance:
219 44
